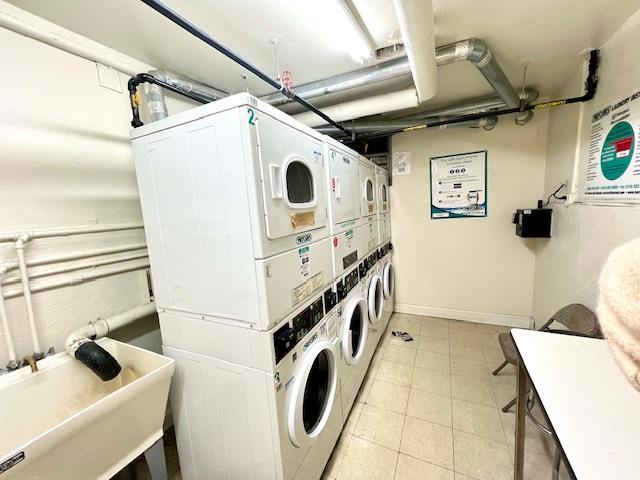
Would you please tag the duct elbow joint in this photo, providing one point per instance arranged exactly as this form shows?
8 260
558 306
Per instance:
477 51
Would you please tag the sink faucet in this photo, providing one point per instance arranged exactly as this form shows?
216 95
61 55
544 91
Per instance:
32 362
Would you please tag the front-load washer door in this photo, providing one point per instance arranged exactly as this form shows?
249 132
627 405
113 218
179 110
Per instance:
375 299
354 330
344 190
368 190
313 393
293 179
388 280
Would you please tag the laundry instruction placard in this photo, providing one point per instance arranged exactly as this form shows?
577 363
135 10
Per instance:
459 185
612 172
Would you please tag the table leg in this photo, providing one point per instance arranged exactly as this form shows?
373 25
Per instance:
521 399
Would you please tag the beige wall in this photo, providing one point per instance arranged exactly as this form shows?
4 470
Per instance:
474 269
568 266
66 161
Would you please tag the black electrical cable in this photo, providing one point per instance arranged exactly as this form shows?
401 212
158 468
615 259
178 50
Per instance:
554 195
197 32
591 85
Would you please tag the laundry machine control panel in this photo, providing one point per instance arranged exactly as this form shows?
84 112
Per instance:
344 286
288 336
383 250
330 299
367 264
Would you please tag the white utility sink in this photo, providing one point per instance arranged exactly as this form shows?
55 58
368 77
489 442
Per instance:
63 422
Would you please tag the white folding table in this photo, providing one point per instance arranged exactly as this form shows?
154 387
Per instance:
593 411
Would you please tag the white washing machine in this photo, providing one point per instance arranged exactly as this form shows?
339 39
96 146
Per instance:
368 189
278 421
388 281
233 197
353 331
370 279
343 186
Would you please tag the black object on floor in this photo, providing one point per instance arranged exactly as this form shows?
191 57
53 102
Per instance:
403 335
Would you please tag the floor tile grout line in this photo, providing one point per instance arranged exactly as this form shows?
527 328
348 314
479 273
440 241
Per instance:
453 447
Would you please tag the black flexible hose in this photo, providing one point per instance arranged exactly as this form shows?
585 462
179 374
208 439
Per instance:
98 360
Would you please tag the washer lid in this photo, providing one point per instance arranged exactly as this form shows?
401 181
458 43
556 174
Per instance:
313 393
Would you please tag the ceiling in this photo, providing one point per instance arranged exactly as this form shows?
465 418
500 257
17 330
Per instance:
315 39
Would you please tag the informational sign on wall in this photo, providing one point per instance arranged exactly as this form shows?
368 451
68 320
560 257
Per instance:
459 185
613 166
401 163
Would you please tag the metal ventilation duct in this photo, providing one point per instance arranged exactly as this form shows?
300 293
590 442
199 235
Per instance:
473 50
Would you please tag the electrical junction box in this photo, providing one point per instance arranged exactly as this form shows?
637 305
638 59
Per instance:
533 222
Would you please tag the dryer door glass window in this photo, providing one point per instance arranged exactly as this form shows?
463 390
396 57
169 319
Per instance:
356 327
369 190
299 178
316 391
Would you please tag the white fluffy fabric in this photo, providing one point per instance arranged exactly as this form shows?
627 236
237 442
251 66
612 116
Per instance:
619 307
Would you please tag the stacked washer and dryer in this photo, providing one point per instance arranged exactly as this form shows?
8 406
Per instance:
260 232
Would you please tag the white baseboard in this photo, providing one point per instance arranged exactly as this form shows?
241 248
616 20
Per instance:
516 321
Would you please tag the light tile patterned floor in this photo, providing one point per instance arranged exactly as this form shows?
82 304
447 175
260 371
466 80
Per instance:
430 410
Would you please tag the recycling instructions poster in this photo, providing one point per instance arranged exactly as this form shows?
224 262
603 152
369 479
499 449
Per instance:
459 185
613 166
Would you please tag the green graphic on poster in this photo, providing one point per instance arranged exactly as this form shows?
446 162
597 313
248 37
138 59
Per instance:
617 151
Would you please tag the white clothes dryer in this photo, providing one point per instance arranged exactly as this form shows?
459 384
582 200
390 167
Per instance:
233 196
368 195
278 422
382 187
343 182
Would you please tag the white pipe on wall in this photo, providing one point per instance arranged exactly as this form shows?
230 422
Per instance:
26 291
73 268
68 231
76 280
102 328
386 102
4 322
415 18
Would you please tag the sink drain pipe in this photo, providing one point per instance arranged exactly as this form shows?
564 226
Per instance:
80 343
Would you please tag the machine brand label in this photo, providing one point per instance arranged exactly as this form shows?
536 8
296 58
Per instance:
11 462
346 160
302 239
308 343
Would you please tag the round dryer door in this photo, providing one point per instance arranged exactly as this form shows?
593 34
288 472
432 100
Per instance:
313 393
375 299
354 331
388 280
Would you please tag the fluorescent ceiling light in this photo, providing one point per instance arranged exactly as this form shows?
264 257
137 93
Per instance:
361 44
